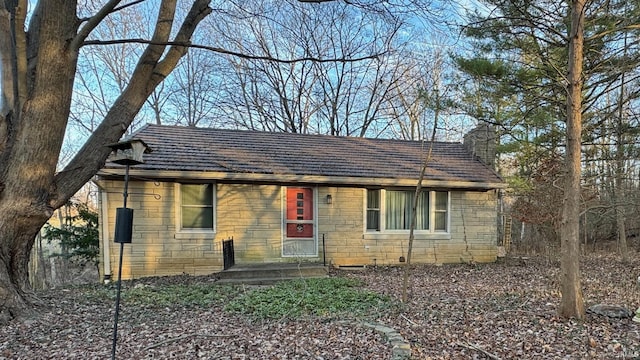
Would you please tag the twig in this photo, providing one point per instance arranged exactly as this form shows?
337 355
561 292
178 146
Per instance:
479 349
494 314
182 338
523 304
406 318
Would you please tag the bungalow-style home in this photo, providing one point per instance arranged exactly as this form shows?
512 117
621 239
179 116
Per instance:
283 197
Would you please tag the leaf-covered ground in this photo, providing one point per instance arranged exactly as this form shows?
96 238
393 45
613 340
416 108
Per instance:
505 310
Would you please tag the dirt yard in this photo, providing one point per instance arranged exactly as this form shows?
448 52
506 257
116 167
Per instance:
505 310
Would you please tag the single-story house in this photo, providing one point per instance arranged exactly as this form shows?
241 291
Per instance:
286 197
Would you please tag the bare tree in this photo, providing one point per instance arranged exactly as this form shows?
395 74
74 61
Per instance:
423 91
618 191
194 83
339 98
414 207
433 101
274 96
104 71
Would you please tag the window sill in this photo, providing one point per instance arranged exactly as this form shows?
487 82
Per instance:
405 235
197 235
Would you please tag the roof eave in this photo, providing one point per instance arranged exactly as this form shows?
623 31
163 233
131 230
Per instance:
306 179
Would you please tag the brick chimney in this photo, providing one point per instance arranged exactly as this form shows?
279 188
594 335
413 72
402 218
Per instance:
481 143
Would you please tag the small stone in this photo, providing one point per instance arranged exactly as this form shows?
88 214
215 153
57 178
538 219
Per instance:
402 345
383 329
395 339
612 311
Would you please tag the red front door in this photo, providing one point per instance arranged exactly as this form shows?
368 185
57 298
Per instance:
299 223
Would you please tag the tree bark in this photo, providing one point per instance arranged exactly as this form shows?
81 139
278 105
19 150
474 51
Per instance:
571 303
40 111
17 234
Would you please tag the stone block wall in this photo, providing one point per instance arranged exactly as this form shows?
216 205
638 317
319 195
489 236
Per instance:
472 237
154 250
253 215
341 222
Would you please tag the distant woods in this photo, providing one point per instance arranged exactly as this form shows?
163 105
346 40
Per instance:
516 78
375 70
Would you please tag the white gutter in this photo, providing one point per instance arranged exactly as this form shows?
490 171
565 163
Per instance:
104 216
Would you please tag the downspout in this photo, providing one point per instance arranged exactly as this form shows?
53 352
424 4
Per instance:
106 255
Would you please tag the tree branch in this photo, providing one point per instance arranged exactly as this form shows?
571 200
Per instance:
133 3
92 23
234 53
612 31
199 11
475 347
95 151
161 33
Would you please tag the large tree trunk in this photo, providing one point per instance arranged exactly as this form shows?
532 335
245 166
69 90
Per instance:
34 116
36 127
16 240
571 304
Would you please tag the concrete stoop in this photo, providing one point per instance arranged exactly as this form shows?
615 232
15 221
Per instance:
266 274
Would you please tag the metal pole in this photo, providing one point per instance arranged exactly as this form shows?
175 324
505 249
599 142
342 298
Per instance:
324 252
118 286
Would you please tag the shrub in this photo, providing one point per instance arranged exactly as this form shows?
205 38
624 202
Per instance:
77 235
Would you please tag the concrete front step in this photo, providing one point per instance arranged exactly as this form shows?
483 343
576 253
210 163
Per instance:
261 274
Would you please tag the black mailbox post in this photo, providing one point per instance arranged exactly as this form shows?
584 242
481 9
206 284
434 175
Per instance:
125 153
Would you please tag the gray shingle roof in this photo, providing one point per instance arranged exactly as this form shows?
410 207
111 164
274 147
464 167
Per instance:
237 151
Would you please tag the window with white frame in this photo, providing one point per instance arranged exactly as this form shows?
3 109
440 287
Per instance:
390 209
196 207
373 210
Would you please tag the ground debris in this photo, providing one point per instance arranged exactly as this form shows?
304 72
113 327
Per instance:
496 311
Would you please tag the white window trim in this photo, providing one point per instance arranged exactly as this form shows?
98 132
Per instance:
376 235
383 233
432 212
193 233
